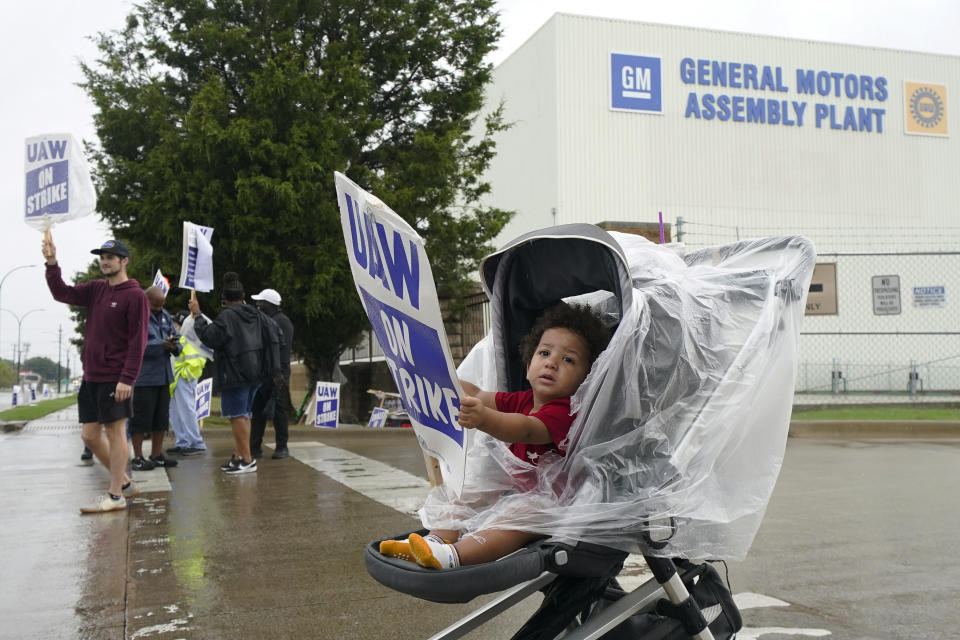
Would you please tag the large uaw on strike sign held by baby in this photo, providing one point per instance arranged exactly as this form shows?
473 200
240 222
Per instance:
396 287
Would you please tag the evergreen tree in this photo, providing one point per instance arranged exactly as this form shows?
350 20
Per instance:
235 114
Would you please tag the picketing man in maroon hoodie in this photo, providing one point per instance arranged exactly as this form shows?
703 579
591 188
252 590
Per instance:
116 335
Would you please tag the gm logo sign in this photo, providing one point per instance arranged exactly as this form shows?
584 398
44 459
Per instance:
636 83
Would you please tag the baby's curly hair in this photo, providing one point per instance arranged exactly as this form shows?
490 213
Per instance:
580 319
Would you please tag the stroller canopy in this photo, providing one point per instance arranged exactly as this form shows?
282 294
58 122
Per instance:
682 422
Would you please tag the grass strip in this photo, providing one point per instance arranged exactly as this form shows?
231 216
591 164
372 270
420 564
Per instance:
38 410
880 413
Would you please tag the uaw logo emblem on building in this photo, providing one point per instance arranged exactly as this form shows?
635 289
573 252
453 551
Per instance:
925 106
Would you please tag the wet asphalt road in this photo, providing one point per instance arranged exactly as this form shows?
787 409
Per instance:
858 543
861 538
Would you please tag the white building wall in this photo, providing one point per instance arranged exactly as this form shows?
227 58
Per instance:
847 190
527 153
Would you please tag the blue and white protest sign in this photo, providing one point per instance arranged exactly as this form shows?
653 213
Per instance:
58 185
189 331
378 417
161 282
202 398
196 265
396 286
328 405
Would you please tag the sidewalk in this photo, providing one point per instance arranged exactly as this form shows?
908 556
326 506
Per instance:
273 554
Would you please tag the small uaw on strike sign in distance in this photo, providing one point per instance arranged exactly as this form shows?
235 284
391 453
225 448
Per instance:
58 185
396 287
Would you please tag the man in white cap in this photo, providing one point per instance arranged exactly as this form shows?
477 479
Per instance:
271 400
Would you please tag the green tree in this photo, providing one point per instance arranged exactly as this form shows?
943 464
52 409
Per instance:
235 114
8 373
46 367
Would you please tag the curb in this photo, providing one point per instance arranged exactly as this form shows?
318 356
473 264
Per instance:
14 425
874 429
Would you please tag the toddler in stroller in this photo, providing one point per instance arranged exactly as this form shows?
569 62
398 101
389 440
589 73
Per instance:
558 353
679 433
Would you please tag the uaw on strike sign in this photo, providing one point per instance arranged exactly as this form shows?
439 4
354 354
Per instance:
58 185
395 284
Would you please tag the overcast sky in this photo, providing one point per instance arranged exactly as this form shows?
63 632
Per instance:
41 44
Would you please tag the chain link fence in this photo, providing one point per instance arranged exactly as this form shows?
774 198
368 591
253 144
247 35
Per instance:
892 330
879 325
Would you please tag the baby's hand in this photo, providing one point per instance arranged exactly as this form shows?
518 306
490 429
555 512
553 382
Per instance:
471 412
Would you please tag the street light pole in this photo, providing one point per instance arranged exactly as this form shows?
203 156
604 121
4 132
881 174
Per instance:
4 279
59 351
20 320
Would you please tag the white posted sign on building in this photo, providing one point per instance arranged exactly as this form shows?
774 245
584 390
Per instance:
886 295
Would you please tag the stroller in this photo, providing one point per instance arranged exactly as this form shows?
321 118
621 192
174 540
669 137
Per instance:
675 449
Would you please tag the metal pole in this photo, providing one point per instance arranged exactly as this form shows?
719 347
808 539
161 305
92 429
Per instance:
4 279
20 320
59 352
19 353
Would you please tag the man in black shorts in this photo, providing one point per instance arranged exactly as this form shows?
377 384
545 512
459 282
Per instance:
151 400
115 336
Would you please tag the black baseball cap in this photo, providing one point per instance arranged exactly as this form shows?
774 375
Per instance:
115 247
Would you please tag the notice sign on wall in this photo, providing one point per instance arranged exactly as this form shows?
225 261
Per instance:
886 295
930 297
822 298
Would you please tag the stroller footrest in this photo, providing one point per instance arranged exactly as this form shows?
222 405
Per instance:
463 584
457 585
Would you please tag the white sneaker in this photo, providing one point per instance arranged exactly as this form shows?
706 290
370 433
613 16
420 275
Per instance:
104 503
131 490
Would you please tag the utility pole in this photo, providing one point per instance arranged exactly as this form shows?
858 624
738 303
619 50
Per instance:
59 351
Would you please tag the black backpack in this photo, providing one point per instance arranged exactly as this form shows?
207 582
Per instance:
272 338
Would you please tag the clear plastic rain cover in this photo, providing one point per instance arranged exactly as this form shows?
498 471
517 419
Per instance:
682 421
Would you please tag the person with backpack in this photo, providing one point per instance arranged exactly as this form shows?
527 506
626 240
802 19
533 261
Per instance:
274 396
246 354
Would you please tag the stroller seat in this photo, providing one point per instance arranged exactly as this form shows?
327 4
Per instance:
680 429
463 584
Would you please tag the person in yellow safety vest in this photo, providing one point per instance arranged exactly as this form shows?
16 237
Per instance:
187 369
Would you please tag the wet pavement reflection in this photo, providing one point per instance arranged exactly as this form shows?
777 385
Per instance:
198 554
857 539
